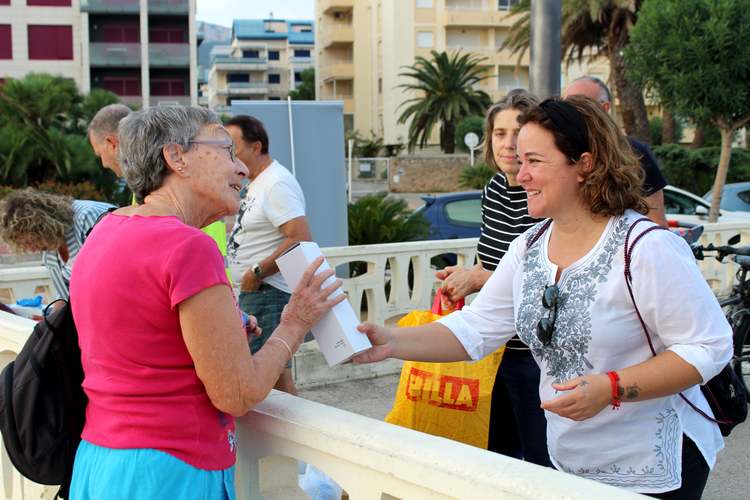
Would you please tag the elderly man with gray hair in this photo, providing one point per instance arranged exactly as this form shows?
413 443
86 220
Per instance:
102 134
165 356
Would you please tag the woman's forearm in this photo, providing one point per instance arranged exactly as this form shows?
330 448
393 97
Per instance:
432 342
662 375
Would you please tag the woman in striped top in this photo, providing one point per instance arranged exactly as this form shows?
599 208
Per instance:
517 423
57 226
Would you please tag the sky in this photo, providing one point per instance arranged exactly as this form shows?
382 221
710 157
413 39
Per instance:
223 12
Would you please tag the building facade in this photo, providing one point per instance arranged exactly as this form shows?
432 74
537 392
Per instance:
264 61
142 50
363 45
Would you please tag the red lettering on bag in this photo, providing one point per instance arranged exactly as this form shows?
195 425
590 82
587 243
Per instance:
444 391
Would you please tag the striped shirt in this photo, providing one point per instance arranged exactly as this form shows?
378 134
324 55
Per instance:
85 215
505 216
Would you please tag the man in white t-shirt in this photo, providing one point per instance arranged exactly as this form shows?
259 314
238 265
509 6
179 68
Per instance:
271 220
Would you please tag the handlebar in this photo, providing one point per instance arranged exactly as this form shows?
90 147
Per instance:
722 251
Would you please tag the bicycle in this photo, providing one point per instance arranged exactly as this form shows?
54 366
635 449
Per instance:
737 305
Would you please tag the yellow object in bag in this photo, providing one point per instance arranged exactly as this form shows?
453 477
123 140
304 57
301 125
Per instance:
451 400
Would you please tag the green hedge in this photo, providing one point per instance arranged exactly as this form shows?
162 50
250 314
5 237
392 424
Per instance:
695 169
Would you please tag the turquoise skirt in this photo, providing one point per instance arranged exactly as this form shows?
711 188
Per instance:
143 473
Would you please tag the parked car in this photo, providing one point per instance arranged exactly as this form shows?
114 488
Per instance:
685 207
459 215
453 215
736 196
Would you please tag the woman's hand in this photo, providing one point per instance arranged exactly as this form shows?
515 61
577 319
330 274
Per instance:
583 397
310 301
458 281
381 339
251 327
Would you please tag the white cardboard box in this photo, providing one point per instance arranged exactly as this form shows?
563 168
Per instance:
336 332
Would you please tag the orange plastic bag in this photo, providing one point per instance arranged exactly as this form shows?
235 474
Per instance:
451 400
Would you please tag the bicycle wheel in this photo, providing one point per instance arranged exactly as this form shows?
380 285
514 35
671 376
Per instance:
739 319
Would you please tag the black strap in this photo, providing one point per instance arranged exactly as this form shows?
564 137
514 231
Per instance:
539 233
628 279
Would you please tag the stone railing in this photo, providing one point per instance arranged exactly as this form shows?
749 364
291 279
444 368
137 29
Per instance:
368 458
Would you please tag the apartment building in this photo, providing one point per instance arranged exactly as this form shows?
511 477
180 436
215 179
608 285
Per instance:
142 50
264 61
363 45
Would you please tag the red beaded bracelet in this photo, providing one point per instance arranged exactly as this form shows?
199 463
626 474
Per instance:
614 379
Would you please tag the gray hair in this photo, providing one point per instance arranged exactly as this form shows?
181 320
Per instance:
105 120
517 99
143 134
604 94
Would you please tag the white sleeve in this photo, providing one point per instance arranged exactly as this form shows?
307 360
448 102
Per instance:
283 203
489 321
677 304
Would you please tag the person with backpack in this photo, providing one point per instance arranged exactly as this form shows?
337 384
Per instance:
166 361
616 412
56 225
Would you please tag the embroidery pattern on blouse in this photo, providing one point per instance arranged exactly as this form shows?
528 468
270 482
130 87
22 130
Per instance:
565 357
663 473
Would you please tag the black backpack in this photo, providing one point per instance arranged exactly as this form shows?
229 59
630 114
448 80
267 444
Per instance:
42 403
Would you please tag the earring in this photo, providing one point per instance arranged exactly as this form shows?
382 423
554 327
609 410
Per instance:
181 170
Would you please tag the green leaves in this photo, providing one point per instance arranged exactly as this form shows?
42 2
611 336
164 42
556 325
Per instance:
379 218
444 92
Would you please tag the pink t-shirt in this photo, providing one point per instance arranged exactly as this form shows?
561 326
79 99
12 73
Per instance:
143 390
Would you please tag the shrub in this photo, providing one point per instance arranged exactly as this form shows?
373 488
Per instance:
469 124
656 125
475 177
80 191
694 169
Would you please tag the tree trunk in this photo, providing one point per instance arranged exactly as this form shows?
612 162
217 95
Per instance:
721 172
667 127
632 107
698 138
446 138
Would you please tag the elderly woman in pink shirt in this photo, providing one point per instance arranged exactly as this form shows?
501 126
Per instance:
165 356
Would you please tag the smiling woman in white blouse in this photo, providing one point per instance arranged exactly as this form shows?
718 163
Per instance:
613 409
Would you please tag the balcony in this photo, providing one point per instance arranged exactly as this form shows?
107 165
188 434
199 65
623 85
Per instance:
337 71
300 61
170 100
112 54
337 35
477 17
169 7
110 6
131 100
331 6
240 63
245 88
169 55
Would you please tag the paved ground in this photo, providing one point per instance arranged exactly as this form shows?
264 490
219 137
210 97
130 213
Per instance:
374 397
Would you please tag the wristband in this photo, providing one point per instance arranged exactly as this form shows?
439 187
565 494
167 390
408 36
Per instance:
614 379
291 354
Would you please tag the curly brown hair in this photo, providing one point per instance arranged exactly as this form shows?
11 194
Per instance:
614 182
32 220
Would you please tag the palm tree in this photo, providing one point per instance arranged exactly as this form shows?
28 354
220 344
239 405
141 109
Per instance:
445 93
590 29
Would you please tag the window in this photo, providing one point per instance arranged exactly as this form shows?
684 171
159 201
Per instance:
301 53
380 85
4 2
122 86
127 33
50 42
508 79
47 3
424 4
274 98
251 54
238 78
166 35
274 78
273 55
678 203
465 212
6 43
424 39
168 86
298 77
506 4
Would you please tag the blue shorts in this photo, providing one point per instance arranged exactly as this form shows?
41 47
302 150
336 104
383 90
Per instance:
137 473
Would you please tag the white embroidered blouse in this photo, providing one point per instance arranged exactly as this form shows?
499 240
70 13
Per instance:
637 447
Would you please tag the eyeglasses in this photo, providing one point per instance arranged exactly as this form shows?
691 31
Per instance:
546 326
222 144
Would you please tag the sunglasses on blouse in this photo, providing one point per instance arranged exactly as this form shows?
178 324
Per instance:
546 326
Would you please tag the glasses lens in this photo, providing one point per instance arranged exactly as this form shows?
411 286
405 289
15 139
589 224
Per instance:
550 296
232 152
544 331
